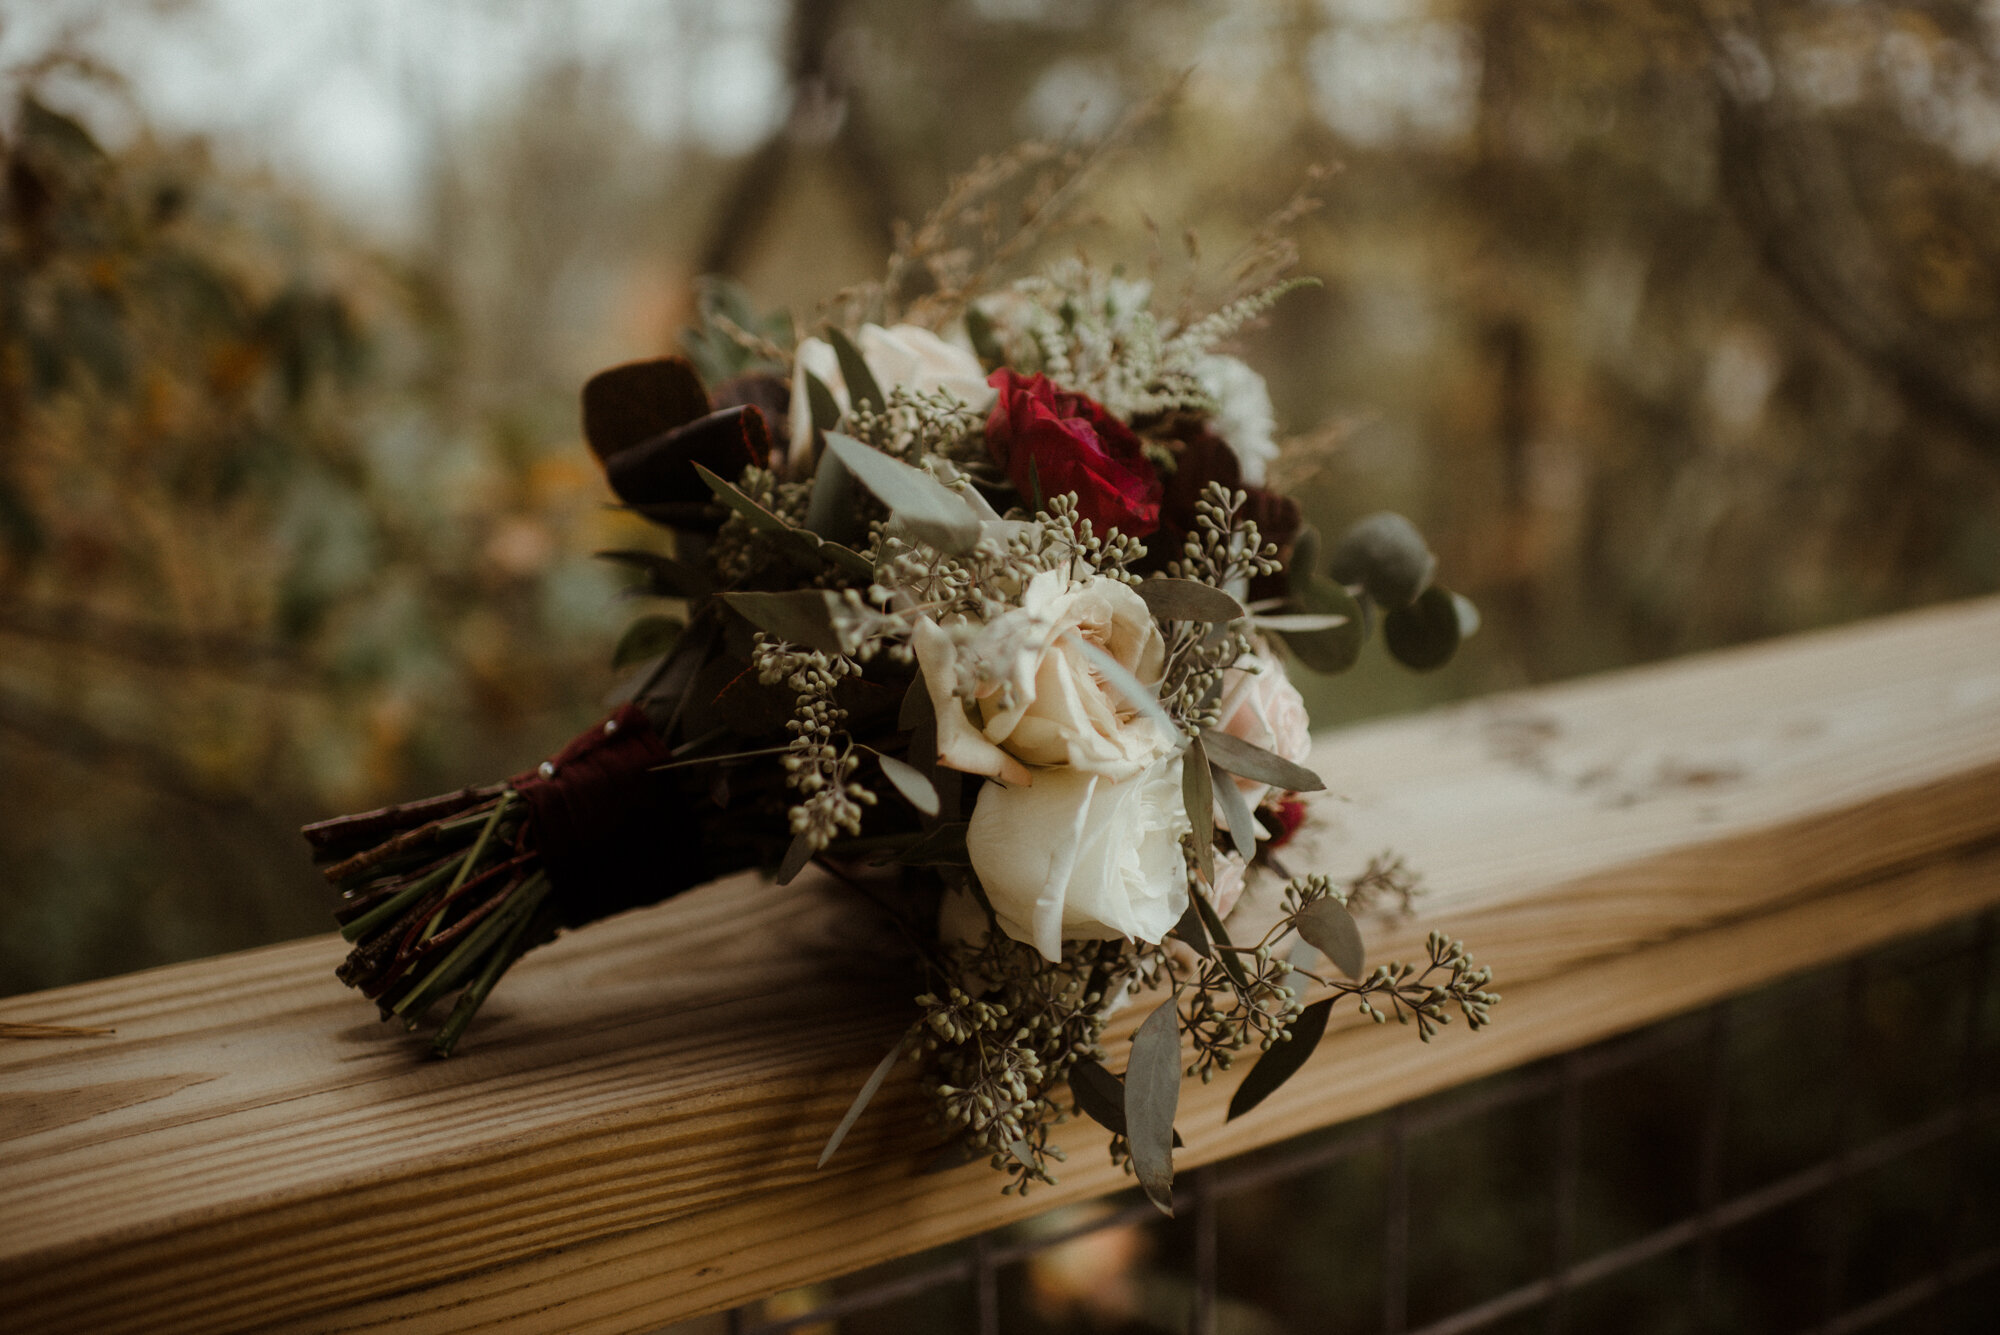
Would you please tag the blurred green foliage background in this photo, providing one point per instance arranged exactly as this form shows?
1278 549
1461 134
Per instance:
1672 323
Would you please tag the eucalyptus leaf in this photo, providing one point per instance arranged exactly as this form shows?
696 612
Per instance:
1236 813
1100 1096
1218 937
796 857
797 616
933 511
1468 616
1330 929
1023 1153
1299 623
807 548
648 637
1152 1095
862 391
1336 648
1385 555
1424 635
832 512
861 1100
911 783
825 409
1188 600
1282 1060
1255 763
1198 795
1136 693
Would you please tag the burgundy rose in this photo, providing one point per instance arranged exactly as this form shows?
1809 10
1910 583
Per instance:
1055 442
1289 816
1202 457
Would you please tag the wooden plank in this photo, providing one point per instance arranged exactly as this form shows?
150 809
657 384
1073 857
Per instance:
629 1137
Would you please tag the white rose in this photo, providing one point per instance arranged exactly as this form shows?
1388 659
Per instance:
906 356
1021 691
1264 709
1243 415
1078 857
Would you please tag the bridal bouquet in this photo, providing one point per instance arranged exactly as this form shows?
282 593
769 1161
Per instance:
991 615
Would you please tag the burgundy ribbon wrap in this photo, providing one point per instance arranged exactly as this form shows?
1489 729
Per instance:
606 826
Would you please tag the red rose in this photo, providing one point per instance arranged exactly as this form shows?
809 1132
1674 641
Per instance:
1055 442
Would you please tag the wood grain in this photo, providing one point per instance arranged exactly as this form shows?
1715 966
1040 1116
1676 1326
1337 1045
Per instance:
628 1137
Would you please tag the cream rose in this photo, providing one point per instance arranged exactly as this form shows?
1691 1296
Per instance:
1079 857
905 356
1021 690
1264 709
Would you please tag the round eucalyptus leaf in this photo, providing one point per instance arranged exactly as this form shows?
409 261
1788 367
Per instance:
1304 565
1385 555
1335 648
1425 634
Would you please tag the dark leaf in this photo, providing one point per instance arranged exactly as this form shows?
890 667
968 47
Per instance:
1329 928
957 1154
1023 1153
48 128
1304 565
1152 1095
797 616
911 783
1198 796
796 858
1190 930
1188 600
1282 1060
648 637
665 576
1334 649
1218 937
934 512
916 704
1385 555
1236 813
874 1083
942 847
638 401
1254 762
747 707
1423 635
825 409
1099 1094
862 391
979 329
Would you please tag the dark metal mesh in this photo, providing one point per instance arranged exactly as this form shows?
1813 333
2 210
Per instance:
1818 1156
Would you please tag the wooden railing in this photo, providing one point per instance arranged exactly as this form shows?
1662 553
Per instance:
629 1136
